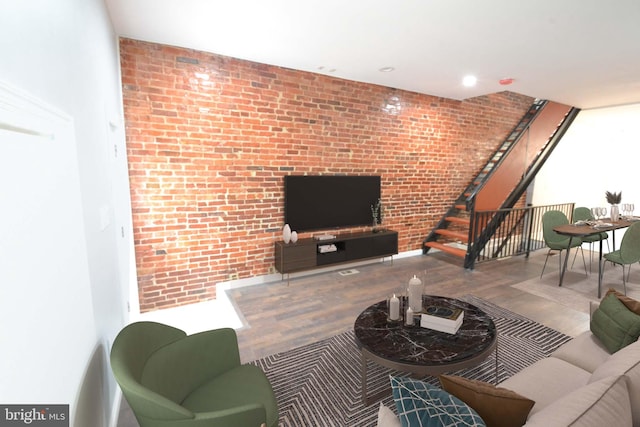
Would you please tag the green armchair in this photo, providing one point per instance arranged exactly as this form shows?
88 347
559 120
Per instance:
173 379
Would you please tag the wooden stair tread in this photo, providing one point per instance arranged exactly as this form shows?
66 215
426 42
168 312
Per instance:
454 234
448 249
458 220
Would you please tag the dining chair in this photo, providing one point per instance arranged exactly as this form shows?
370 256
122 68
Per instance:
558 242
584 214
629 253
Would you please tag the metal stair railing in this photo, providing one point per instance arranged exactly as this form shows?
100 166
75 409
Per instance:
530 155
477 239
518 232
468 195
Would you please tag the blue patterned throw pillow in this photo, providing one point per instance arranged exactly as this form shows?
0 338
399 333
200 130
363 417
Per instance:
421 404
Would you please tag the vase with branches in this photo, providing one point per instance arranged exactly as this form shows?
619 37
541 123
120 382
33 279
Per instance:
614 200
377 214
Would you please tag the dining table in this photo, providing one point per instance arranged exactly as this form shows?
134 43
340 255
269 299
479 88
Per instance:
587 228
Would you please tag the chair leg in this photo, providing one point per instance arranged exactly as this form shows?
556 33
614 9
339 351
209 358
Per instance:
590 257
604 263
575 255
584 262
560 260
545 262
624 271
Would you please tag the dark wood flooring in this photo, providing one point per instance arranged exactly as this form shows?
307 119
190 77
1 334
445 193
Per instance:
283 315
280 316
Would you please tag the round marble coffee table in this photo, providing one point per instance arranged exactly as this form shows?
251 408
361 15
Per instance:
423 351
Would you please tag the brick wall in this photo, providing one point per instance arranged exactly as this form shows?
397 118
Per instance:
209 139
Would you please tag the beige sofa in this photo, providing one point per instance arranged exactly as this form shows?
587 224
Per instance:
581 384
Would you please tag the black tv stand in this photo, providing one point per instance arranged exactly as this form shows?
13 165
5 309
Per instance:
305 254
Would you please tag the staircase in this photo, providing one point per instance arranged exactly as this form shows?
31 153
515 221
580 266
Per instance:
501 182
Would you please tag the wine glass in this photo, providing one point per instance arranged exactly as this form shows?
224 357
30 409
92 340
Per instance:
595 212
603 212
631 209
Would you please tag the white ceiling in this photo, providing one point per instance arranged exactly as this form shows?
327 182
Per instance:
584 53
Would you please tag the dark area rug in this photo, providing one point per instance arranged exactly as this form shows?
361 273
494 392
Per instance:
319 384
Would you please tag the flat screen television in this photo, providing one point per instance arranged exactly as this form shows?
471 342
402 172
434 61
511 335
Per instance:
316 202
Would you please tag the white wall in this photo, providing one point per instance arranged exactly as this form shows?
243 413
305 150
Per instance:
598 153
65 233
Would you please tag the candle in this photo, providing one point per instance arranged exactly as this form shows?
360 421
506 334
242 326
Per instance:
415 294
409 320
394 308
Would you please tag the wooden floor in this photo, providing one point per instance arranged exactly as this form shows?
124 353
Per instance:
281 316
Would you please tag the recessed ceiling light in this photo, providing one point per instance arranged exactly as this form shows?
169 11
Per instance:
469 81
386 69
328 70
